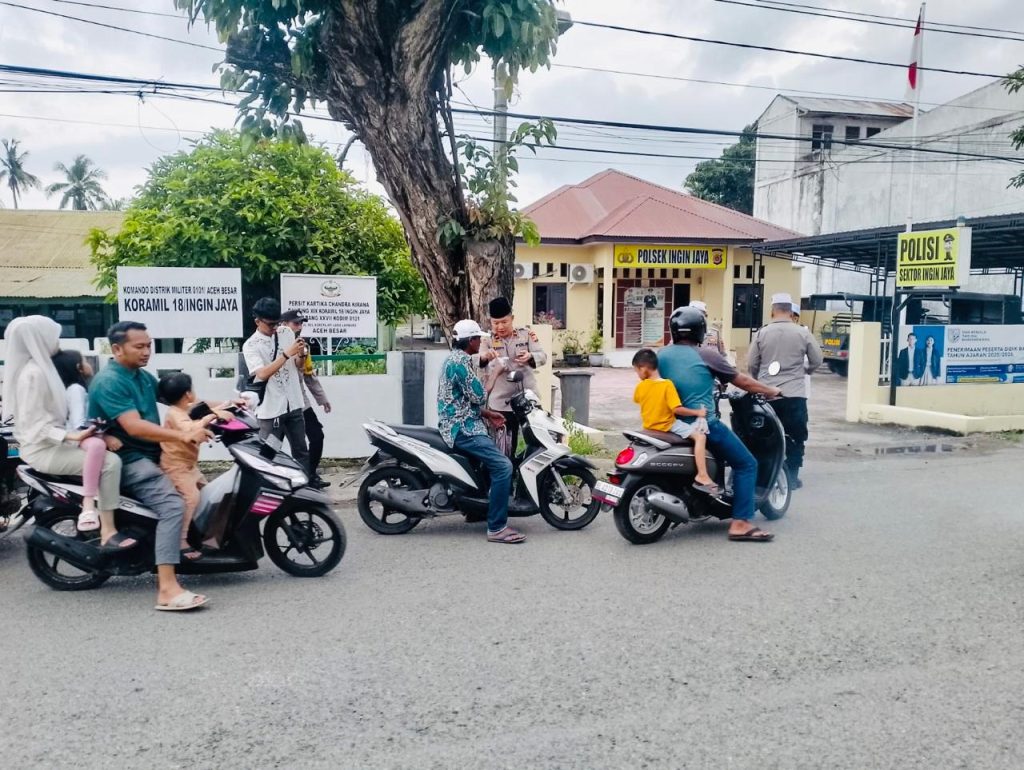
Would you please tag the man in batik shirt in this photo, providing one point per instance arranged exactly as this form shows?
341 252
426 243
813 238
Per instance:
461 410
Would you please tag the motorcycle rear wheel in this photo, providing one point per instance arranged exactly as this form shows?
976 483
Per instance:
294 539
375 515
777 501
635 521
47 566
575 513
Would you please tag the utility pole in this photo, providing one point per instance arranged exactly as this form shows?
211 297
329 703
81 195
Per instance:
501 104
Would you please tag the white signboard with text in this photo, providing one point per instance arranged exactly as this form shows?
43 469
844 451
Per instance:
951 355
336 305
182 301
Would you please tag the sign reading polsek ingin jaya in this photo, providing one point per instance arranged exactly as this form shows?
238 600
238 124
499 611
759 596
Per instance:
179 302
336 305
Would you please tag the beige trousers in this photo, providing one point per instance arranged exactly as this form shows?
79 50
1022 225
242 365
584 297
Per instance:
68 460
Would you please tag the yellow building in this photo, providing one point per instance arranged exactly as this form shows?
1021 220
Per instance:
619 254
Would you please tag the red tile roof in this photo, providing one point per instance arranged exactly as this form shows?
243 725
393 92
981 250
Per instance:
612 205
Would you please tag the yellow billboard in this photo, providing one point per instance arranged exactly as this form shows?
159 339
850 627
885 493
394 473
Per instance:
933 258
656 255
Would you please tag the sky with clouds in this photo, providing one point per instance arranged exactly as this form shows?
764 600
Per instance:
124 134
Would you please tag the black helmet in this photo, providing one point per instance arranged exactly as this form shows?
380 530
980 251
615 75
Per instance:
687 323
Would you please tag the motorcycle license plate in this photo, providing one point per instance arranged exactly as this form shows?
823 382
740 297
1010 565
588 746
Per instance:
607 493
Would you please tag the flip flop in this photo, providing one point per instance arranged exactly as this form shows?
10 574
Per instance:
754 535
119 541
508 536
191 554
709 489
183 602
88 521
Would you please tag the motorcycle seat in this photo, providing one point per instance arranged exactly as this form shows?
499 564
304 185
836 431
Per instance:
668 438
429 436
55 478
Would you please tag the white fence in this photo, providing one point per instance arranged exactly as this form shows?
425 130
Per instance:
885 362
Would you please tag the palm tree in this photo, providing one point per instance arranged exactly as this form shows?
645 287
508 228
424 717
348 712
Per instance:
82 188
12 170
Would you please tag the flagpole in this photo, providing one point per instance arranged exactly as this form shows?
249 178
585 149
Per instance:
917 109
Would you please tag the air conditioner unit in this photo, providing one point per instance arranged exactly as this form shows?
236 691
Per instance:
581 274
524 271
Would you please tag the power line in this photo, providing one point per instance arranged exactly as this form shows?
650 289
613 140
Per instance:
110 26
163 87
101 6
928 24
900 24
752 46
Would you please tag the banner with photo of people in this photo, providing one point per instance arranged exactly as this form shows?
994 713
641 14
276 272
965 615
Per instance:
953 355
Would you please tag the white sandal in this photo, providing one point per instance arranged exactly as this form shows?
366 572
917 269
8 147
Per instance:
88 521
183 602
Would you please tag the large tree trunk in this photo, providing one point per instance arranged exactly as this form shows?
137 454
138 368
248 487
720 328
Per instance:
386 75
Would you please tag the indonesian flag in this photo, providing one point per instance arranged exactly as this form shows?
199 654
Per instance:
914 74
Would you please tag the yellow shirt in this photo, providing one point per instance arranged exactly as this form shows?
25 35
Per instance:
658 400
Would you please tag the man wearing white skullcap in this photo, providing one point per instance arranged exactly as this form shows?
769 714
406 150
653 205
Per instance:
782 354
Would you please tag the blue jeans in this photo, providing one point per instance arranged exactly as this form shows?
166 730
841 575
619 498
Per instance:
727 447
499 468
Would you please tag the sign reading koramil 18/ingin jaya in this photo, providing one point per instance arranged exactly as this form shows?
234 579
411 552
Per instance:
656 255
936 259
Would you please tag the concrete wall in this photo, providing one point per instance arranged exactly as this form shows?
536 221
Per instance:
862 187
956 408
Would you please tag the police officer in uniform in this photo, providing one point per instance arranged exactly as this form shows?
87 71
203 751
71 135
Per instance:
510 349
781 355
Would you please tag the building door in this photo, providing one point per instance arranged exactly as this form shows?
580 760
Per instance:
549 304
747 306
680 295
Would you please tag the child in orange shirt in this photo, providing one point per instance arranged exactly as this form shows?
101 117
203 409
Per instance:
180 461
660 406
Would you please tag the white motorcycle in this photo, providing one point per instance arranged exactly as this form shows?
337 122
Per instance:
415 475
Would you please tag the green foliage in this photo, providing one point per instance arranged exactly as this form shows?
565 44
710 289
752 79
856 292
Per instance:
81 187
12 171
579 442
728 180
571 342
267 207
488 184
372 364
1014 83
595 341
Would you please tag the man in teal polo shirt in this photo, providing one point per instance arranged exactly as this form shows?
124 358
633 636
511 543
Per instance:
123 394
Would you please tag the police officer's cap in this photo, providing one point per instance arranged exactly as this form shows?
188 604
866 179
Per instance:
500 307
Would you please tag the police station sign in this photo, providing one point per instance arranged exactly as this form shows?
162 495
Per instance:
654 255
179 302
933 259
340 306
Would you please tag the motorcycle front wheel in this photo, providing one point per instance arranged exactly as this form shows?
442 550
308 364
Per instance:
575 511
53 570
636 521
776 502
306 542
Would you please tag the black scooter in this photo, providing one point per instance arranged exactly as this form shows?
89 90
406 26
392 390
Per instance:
301 533
652 490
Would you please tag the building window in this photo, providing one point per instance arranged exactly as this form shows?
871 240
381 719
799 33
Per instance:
747 306
853 133
563 270
549 304
872 131
736 271
549 270
821 136
750 272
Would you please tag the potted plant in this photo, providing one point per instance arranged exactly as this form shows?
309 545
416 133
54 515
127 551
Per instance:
572 348
595 345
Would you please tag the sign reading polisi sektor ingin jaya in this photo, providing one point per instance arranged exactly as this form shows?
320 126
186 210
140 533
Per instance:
182 301
934 259
342 306
656 255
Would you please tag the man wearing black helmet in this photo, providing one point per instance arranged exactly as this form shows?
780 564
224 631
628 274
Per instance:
693 369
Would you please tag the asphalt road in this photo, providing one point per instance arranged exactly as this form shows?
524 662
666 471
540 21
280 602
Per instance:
882 629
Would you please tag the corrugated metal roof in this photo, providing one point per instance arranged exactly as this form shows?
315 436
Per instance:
44 253
613 205
852 106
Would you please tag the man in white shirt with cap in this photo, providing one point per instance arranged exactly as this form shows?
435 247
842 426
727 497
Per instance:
782 355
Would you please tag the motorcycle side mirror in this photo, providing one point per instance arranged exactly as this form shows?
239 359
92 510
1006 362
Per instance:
516 376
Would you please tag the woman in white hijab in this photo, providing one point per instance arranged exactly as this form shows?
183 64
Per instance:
34 396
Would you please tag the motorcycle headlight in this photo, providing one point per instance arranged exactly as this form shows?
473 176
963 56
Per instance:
280 476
